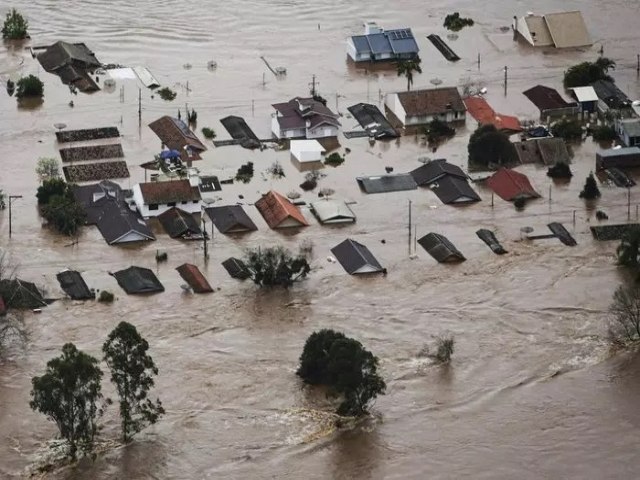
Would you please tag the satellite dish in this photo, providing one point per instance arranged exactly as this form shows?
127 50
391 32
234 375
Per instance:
526 229
435 81
60 126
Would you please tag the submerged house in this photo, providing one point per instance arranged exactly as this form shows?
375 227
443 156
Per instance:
482 112
194 277
434 170
180 224
73 63
547 151
332 211
587 99
307 153
372 120
137 280
629 131
440 248
236 268
610 97
230 219
550 102
395 182
154 198
303 118
419 107
279 212
558 30
446 180
618 158
355 258
74 285
176 135
378 44
511 185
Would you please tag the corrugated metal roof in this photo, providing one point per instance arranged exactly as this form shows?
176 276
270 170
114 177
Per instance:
450 189
379 43
402 41
361 45
74 285
356 258
333 211
230 219
135 280
387 183
440 248
585 94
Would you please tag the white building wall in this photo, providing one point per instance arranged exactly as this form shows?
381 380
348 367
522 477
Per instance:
351 50
144 210
322 131
520 25
423 119
393 103
275 126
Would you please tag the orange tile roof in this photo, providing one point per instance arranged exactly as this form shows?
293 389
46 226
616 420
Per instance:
484 114
276 209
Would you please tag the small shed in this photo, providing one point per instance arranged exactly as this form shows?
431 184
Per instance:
236 268
194 277
180 224
510 185
440 248
618 158
629 131
333 211
74 285
138 280
306 151
230 219
587 98
356 258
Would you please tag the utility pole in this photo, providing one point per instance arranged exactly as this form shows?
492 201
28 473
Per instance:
628 203
409 227
204 237
313 85
11 198
506 69
264 82
638 64
139 106
478 60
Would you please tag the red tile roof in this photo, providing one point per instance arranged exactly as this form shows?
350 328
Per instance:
194 277
431 101
509 185
276 209
485 115
169 192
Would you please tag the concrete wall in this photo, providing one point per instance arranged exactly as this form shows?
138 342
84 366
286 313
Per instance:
146 212
393 103
424 119
322 131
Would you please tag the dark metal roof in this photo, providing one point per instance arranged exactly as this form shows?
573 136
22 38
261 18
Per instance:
63 53
356 258
440 248
613 232
402 41
361 45
239 130
74 285
387 183
194 277
610 94
295 113
209 184
230 219
430 172
379 43
450 189
135 280
546 98
236 268
180 224
372 120
488 237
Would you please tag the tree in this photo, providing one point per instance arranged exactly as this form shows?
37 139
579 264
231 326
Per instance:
132 372
345 366
15 26
437 130
560 170
628 252
567 129
406 68
68 393
64 214
275 266
455 22
47 168
625 314
488 146
586 73
2 201
603 133
50 188
30 86
590 190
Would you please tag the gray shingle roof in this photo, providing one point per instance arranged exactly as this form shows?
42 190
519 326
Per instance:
440 248
387 183
230 219
356 258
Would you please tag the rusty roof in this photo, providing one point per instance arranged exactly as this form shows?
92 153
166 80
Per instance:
169 192
194 277
485 115
176 135
276 209
431 101
509 185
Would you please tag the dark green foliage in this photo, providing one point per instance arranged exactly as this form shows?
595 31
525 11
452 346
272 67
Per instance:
11 87
560 170
407 68
345 366
15 26
628 252
276 170
444 349
68 393
106 297
590 190
245 173
132 372
308 185
64 214
275 266
586 73
50 188
30 86
167 94
625 315
488 146
603 133
567 129
437 131
455 22
208 133
334 159
519 203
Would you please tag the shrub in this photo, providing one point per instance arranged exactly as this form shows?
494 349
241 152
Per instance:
437 131
15 26
334 159
47 168
208 133
560 170
276 170
444 349
624 314
455 22
488 146
30 86
50 188
167 94
308 185
275 266
520 203
106 297
603 133
567 129
245 173
590 190
586 73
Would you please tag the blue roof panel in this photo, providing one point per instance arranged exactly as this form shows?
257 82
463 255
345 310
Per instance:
379 43
361 44
402 41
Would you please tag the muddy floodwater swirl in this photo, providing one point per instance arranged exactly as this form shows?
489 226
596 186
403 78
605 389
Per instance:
532 391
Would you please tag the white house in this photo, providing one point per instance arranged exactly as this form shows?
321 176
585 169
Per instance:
419 107
303 118
153 198
379 45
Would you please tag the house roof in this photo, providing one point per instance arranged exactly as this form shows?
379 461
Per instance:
176 135
135 280
209 183
545 98
61 54
618 152
295 113
361 44
440 248
74 285
485 115
435 169
610 94
194 277
552 150
488 237
93 197
631 127
21 294
431 101
372 120
230 219
567 29
296 147
585 94
450 189
539 30
119 224
238 129
356 258
276 209
333 211
236 268
387 183
398 41
178 223
402 41
509 185
169 192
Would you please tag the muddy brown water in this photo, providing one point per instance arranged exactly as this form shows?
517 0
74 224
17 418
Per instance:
234 406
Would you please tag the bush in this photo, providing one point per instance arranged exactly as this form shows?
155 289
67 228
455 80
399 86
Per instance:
30 86
275 266
276 170
64 214
603 133
560 170
334 159
15 26
106 297
444 349
625 315
52 187
345 366
488 146
208 133
455 22
437 131
590 190
586 73
245 173
167 94
308 185
520 203
567 129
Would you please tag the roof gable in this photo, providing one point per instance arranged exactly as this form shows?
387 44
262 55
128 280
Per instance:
178 223
230 219
276 209
450 189
168 192
509 185
136 280
431 101
353 256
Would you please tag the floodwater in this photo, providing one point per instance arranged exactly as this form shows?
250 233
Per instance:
532 391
